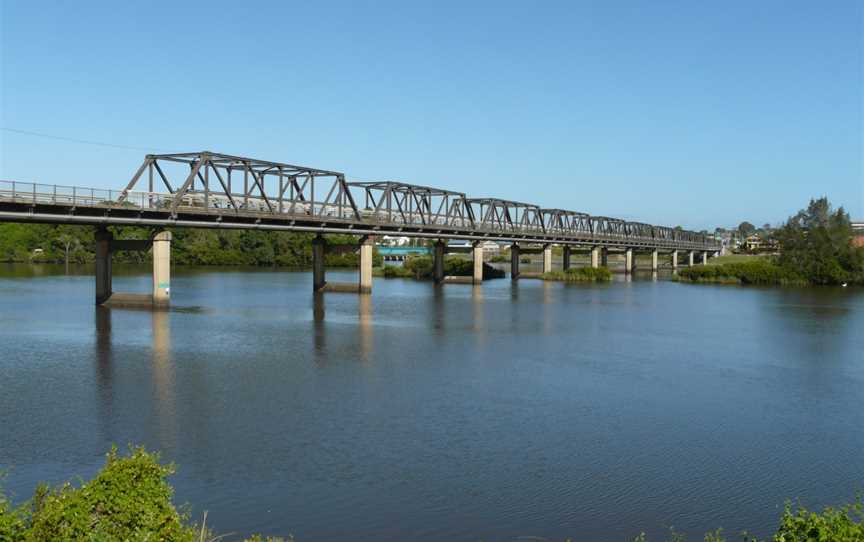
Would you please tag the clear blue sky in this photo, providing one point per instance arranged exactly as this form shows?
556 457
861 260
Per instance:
691 113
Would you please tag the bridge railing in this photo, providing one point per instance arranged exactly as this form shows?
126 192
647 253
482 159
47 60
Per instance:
490 217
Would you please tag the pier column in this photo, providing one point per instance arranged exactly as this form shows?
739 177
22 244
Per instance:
547 258
604 256
438 262
705 258
595 257
366 246
654 260
628 261
478 262
103 265
690 258
674 259
514 261
162 268
319 248
565 263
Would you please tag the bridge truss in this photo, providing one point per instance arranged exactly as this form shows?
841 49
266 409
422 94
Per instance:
213 190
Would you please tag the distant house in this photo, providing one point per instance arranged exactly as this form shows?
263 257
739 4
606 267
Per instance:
753 242
858 233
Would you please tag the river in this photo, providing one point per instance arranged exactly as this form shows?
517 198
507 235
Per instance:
509 410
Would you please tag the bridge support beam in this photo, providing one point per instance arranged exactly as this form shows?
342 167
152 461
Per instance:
103 265
438 261
478 262
674 260
547 258
514 261
595 257
629 262
366 246
654 260
690 258
319 249
565 262
162 269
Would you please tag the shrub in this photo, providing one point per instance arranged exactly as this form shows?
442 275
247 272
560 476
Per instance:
129 499
761 271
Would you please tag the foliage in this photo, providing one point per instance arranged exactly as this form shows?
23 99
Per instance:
420 267
756 271
580 274
817 243
128 500
53 243
833 524
745 228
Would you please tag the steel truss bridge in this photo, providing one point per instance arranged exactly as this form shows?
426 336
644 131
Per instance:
211 190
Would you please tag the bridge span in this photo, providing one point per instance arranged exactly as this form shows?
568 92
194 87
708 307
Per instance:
212 190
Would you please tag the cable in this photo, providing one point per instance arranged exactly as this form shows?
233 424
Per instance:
84 141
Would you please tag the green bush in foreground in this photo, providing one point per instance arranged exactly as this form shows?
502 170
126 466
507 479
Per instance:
761 271
130 500
580 274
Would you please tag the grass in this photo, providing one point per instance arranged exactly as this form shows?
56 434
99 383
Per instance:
580 274
737 258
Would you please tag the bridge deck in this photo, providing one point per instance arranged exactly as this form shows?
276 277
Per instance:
275 196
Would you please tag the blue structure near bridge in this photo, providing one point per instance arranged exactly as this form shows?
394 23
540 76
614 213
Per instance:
398 254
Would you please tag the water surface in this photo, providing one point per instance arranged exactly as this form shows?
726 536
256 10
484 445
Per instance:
460 413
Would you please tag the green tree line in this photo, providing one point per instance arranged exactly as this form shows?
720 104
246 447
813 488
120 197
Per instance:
50 243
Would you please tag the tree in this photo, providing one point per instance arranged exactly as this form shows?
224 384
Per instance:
745 228
817 243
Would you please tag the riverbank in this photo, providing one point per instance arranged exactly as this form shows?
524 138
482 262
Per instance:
760 271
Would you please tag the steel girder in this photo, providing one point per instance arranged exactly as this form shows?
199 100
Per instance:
494 215
206 189
566 223
220 182
401 203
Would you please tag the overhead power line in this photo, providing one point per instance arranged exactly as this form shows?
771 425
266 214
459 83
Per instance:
82 141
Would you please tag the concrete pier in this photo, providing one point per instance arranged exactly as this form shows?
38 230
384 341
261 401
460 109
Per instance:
565 262
674 259
106 246
595 257
514 261
319 249
654 260
103 266
604 256
162 269
547 258
705 258
366 246
690 258
478 262
629 262
438 261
